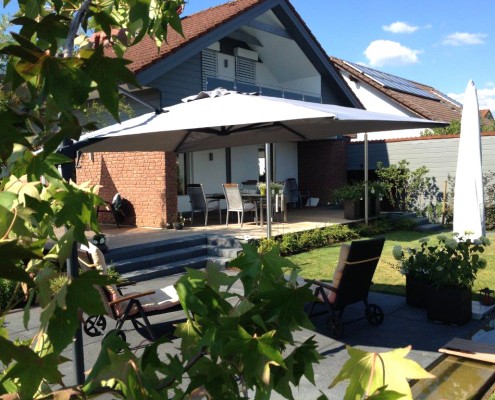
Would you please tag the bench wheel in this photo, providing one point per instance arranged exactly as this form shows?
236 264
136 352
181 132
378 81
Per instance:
335 327
94 325
374 314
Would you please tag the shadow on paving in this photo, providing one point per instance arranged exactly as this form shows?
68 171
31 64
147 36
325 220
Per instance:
402 326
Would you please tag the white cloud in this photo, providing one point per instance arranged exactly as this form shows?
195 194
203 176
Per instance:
400 27
463 38
387 52
486 97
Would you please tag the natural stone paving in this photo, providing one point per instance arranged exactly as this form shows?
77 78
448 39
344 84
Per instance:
402 326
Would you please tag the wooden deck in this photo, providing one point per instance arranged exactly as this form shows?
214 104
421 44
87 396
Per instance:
298 220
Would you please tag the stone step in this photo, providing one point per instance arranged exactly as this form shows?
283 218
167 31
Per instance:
162 246
172 268
151 260
420 221
400 214
429 227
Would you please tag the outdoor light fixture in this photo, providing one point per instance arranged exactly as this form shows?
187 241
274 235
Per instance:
210 156
487 297
226 63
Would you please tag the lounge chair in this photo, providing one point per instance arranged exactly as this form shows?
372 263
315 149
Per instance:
133 306
351 284
115 208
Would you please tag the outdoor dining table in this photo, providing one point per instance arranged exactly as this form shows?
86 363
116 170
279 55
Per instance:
257 197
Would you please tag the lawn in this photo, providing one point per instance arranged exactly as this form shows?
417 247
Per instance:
320 263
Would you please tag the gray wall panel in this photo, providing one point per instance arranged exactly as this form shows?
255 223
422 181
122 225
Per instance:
180 82
438 155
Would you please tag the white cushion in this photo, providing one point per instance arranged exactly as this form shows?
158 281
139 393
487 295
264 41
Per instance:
162 299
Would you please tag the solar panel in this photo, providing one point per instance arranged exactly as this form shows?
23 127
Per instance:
394 82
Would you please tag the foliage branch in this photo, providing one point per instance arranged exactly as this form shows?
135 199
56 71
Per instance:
52 68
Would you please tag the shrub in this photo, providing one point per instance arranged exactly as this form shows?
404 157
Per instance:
9 293
339 233
374 228
290 244
403 224
265 245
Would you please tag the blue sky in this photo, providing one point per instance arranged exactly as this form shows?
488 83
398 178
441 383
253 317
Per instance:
441 43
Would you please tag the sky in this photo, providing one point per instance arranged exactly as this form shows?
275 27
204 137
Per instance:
440 43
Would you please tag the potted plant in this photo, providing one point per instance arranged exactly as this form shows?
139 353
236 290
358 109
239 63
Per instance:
100 241
262 188
415 264
179 224
451 266
352 197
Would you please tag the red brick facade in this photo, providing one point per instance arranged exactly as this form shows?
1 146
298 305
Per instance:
322 167
141 179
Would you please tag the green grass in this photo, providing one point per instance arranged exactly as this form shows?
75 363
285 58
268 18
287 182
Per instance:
320 263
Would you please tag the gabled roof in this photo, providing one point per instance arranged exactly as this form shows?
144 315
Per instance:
207 26
194 26
486 114
426 101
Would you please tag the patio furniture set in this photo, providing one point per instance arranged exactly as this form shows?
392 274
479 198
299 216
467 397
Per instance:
242 199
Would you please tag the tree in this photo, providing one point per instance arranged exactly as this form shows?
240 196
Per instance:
228 349
454 128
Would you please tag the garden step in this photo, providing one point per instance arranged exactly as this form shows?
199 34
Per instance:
399 214
429 227
150 260
122 253
420 221
172 268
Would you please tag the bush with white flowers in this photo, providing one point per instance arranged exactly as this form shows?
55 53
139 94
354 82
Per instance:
453 261
99 239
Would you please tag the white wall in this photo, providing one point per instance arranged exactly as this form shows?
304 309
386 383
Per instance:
374 100
244 163
210 173
285 161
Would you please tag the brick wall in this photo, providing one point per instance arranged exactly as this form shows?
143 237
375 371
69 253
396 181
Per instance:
322 167
140 178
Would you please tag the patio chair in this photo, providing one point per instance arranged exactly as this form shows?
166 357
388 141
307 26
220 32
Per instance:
351 284
133 306
250 186
199 202
294 196
235 203
115 208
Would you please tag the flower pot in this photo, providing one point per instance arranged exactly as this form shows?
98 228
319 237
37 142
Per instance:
102 247
178 226
449 305
262 191
416 291
353 210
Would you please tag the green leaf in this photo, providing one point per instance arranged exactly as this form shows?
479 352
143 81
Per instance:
12 251
82 293
108 73
30 369
369 372
11 135
66 81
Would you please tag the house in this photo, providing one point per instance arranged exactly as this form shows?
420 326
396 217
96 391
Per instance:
390 94
246 45
486 117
